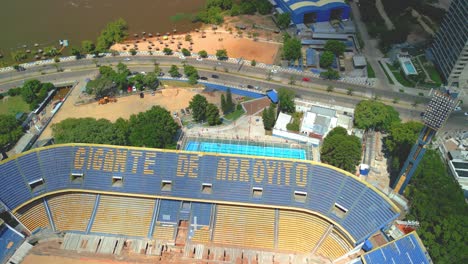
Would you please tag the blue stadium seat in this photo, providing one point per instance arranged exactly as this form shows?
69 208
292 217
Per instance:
168 211
202 211
15 190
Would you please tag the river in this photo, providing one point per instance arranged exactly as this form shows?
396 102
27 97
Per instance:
25 22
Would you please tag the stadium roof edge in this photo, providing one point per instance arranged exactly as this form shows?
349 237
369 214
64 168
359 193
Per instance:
342 229
368 185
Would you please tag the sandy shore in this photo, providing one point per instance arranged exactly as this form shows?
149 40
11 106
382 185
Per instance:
236 45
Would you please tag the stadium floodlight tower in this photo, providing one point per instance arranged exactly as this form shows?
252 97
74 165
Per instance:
437 112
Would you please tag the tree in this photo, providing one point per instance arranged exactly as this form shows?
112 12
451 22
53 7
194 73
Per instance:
330 74
203 53
326 60
76 52
133 52
269 117
198 106
335 46
374 114
154 128
349 91
101 87
29 90
263 6
211 15
283 20
10 131
114 32
229 103
223 104
341 150
87 46
192 80
212 115
253 63
174 71
330 88
186 52
167 51
292 49
151 80
286 100
401 138
222 54
189 70
138 81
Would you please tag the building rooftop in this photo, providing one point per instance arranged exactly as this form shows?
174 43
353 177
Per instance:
323 111
359 61
282 121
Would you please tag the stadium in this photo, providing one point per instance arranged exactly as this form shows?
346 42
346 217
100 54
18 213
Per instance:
211 206
311 11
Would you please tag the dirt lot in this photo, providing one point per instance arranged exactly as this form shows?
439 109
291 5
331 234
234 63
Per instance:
171 98
265 49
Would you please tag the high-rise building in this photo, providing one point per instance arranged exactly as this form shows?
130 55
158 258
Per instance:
450 47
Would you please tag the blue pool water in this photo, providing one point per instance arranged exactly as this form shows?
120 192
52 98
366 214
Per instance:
246 150
409 67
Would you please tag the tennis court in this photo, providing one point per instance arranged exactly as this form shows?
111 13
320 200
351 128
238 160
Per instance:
253 150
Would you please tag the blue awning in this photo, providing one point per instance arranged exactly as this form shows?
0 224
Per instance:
273 95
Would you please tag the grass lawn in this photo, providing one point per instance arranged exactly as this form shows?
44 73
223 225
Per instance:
370 71
431 70
400 78
12 105
386 74
234 115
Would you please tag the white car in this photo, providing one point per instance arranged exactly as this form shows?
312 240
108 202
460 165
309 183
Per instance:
457 108
127 59
274 71
182 57
144 73
199 59
466 113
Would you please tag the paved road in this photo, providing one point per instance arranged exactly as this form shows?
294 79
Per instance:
13 79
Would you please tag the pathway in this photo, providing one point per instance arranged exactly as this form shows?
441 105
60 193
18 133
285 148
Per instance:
383 14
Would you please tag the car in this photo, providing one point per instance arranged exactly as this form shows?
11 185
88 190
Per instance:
250 86
182 57
214 76
144 73
257 87
161 74
134 89
458 108
274 71
306 79
466 113
199 59
127 59
204 78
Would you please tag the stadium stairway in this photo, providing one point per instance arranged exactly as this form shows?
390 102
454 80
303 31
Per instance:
49 214
93 214
154 217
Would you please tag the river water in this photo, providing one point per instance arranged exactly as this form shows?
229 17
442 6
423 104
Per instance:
25 22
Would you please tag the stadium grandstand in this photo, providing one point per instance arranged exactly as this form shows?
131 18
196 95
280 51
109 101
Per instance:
311 11
205 203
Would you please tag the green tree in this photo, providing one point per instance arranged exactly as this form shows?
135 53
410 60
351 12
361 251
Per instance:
198 106
400 139
151 80
286 100
223 104
335 46
154 128
133 52
253 63
229 103
374 114
330 88
10 131
186 52
19 55
341 150
189 70
192 80
212 115
326 60
438 203
86 130
263 6
174 71
114 32
330 74
30 89
167 51
87 46
292 49
203 53
76 52
138 81
269 117
211 15
222 54
283 20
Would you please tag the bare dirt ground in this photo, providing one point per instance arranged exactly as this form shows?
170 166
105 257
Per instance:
251 44
171 98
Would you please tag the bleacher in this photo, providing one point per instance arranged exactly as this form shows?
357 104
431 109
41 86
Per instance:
300 231
33 215
334 246
9 242
122 215
245 226
407 249
142 171
71 211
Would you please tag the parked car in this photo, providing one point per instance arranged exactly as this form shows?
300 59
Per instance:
250 86
214 76
161 74
127 59
306 79
204 78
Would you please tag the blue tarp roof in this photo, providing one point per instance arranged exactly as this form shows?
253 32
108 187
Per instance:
273 95
407 249
322 42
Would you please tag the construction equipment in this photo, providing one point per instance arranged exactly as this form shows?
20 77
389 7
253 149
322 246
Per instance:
106 100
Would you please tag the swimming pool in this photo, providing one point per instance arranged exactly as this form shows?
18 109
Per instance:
410 67
251 150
